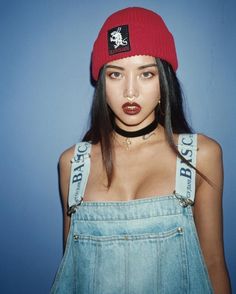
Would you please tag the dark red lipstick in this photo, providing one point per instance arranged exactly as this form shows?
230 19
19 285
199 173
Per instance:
131 108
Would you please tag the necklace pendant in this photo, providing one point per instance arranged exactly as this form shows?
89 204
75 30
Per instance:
127 143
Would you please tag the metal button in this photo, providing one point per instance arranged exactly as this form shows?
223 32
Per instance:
180 230
76 237
126 237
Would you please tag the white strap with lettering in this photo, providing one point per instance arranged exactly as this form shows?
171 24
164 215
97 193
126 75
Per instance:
185 175
79 172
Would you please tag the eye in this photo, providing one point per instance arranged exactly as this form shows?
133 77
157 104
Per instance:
147 75
115 75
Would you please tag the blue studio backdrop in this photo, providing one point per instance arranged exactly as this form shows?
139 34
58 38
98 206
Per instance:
45 98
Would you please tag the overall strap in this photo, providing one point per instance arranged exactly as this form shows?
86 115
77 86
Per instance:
80 167
185 175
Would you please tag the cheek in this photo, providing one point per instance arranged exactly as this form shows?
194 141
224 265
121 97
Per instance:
152 105
113 96
151 89
152 95
112 101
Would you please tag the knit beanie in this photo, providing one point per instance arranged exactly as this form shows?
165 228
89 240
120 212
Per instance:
133 31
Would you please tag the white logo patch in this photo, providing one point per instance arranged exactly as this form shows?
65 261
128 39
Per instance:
117 38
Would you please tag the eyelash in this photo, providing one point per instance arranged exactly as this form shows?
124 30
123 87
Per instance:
117 75
112 75
150 75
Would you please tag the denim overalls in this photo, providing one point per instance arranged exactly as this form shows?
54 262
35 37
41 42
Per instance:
144 246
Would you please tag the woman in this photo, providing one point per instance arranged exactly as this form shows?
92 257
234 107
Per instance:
144 192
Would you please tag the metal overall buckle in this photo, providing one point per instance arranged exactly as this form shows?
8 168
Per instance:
183 201
74 207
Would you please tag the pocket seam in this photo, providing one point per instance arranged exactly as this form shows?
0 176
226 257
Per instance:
130 237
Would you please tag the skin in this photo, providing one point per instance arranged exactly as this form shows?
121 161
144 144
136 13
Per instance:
126 80
137 84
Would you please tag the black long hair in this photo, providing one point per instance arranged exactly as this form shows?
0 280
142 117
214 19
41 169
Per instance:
169 113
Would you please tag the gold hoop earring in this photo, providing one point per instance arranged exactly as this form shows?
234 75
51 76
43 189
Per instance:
159 108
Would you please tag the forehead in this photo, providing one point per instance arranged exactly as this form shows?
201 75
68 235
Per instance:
133 61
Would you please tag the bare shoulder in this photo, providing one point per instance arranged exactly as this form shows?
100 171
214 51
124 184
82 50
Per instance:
64 173
208 148
209 159
65 157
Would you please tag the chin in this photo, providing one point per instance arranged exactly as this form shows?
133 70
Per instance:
131 121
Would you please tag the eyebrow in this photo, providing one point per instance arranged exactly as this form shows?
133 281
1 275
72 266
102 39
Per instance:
140 67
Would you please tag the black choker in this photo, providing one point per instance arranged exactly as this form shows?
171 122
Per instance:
148 129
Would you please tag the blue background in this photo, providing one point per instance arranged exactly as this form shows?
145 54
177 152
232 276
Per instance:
45 97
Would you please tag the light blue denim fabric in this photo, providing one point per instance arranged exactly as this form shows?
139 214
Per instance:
144 246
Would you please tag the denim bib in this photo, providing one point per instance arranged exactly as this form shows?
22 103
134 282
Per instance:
143 246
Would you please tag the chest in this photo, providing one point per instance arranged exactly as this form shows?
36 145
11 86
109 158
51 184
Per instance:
140 174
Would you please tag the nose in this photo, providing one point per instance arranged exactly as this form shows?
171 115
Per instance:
131 88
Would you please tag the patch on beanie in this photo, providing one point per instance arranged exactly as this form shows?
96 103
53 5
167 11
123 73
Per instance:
118 40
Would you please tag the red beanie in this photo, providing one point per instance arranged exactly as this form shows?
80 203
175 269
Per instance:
133 31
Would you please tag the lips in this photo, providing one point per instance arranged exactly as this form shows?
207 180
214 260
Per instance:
131 108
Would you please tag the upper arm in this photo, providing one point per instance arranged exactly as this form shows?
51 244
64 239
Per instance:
64 181
208 202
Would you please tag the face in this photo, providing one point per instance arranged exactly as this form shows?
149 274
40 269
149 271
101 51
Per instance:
132 90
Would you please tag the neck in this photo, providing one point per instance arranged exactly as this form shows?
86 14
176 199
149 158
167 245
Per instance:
144 133
141 132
